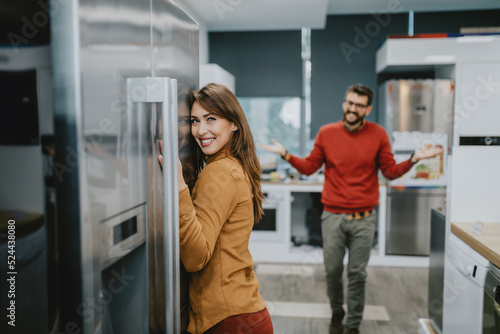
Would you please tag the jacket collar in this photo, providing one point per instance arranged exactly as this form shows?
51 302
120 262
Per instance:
223 153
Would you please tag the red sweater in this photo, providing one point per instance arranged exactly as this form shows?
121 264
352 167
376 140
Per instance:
352 162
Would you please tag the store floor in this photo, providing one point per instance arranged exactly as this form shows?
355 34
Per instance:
296 297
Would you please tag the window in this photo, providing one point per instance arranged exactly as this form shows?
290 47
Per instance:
275 118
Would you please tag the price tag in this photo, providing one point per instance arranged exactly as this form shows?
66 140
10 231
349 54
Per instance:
477 227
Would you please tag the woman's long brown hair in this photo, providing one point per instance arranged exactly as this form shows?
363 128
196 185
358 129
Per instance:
220 101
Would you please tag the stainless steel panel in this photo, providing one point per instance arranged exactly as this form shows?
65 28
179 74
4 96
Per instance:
491 303
417 105
416 191
436 267
175 55
175 44
108 148
408 223
171 210
413 103
96 46
114 44
163 213
67 113
492 281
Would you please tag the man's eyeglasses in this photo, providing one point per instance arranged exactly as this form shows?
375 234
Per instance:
356 105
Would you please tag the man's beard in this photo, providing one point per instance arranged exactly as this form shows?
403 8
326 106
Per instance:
358 120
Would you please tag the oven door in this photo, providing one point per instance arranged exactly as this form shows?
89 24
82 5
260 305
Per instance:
491 309
270 228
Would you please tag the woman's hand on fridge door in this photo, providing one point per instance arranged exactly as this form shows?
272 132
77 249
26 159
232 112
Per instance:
160 156
182 183
426 152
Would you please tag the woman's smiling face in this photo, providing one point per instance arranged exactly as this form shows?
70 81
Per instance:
211 132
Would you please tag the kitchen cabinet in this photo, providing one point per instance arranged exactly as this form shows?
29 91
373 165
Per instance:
279 248
478 99
469 251
486 241
472 61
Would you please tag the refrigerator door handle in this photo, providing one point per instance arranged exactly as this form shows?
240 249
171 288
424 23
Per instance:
171 203
163 90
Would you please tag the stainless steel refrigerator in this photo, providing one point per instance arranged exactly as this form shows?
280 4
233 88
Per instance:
415 112
122 72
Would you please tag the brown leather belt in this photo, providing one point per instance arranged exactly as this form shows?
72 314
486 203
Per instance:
358 215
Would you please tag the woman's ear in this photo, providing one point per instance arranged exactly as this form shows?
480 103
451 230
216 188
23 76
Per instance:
234 127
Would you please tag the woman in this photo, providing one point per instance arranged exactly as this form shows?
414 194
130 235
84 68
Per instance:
217 219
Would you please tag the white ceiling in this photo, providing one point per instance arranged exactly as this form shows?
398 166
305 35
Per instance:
241 15
249 15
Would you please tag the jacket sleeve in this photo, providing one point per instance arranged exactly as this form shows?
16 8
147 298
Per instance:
201 218
388 165
313 161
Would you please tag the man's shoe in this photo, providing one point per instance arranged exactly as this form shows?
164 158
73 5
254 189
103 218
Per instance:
353 330
336 326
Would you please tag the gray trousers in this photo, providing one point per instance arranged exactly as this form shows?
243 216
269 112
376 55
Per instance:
340 233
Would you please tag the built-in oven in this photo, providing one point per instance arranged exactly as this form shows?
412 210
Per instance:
491 309
271 227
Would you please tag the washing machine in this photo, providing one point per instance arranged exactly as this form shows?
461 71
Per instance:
463 294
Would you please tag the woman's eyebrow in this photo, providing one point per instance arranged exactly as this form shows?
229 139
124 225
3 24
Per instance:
204 116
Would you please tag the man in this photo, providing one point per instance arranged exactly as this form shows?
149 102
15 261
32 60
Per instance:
353 150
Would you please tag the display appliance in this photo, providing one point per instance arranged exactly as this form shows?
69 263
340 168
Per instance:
122 73
415 113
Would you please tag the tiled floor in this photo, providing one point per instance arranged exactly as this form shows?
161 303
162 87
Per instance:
296 298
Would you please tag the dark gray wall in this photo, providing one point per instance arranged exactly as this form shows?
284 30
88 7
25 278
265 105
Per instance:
269 64
264 63
343 54
24 23
451 22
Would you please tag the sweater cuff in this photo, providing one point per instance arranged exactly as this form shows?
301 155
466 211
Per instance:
286 156
411 156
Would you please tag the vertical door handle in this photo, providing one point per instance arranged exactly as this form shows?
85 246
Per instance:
170 136
163 91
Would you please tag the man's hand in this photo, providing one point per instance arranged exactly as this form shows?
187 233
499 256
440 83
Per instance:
274 148
426 152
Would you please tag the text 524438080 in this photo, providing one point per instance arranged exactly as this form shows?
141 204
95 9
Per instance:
11 274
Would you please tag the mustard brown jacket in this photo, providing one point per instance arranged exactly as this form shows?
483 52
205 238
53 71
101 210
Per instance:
215 226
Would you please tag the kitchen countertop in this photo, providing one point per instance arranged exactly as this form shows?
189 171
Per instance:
295 186
487 243
303 182
293 182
